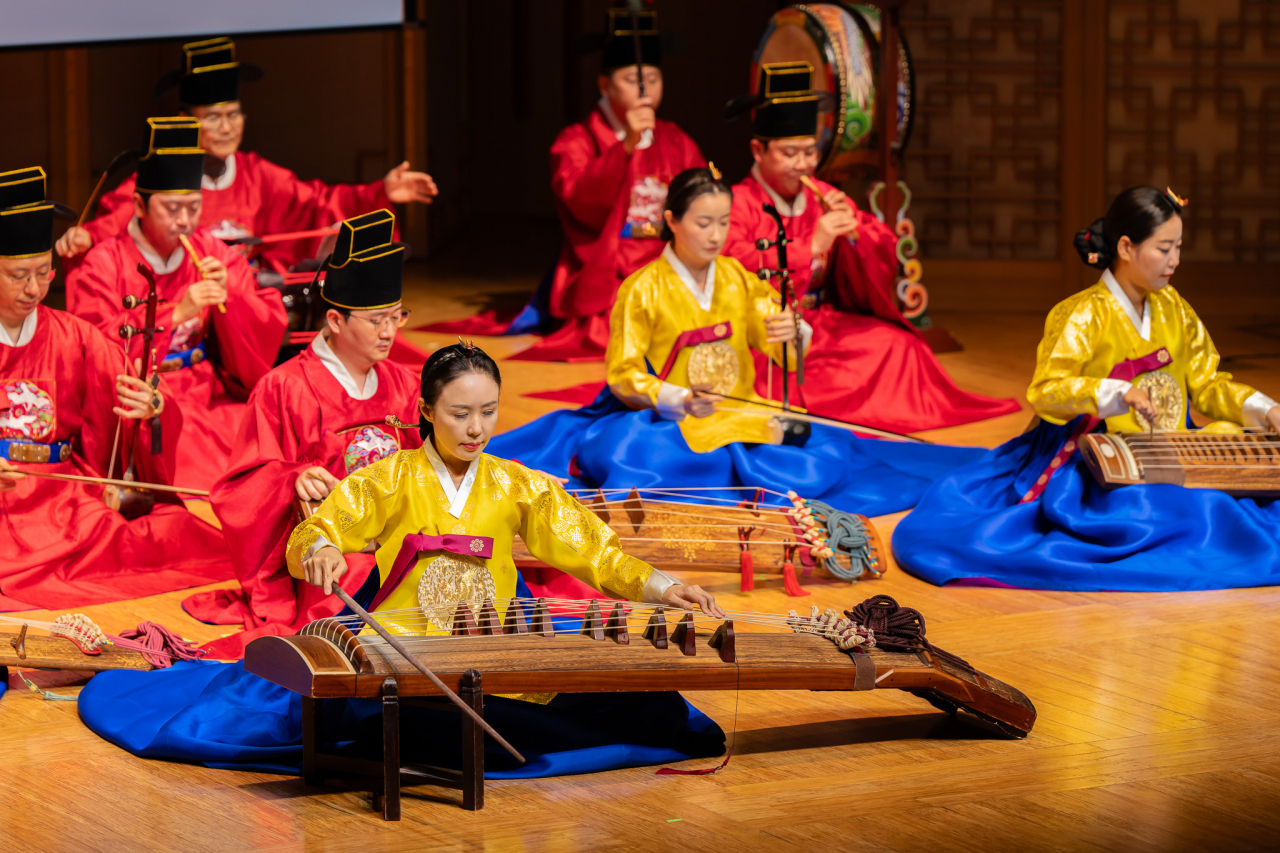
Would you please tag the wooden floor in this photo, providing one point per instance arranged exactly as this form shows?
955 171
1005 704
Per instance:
1159 722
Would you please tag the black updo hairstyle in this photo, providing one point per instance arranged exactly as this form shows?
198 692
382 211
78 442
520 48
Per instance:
687 186
447 364
1136 213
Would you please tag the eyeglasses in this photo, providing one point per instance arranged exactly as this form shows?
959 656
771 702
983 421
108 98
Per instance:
214 121
396 320
34 275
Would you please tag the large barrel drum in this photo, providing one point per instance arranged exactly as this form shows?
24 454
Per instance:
841 42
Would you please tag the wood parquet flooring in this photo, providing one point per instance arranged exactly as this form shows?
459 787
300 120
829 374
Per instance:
1159 714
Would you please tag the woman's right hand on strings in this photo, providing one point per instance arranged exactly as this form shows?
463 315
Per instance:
9 476
1140 402
700 402
315 484
324 567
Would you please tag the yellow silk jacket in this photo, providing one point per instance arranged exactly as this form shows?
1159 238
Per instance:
654 307
402 494
1089 333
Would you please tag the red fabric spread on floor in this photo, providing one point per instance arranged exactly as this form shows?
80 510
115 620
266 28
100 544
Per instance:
263 199
62 546
866 362
599 187
578 395
241 344
297 417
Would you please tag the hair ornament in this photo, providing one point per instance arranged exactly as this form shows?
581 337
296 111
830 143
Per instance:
1093 258
469 345
1175 198
715 173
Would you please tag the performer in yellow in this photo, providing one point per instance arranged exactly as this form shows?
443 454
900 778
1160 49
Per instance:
680 408
1131 352
445 515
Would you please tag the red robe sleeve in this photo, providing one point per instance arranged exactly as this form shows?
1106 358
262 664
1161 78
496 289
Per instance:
93 289
586 181
115 209
249 334
749 223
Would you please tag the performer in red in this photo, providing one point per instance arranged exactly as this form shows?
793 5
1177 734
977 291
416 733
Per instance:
245 194
609 173
220 332
310 422
867 363
67 406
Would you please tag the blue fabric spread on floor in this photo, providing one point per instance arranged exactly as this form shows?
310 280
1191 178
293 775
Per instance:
218 715
1080 536
617 447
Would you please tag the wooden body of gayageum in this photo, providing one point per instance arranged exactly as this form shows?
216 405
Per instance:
334 666
1241 464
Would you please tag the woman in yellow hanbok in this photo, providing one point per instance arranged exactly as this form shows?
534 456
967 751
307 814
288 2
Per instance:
680 409
443 517
1127 354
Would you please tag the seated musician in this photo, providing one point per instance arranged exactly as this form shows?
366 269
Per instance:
69 406
244 193
220 332
680 409
310 422
1131 353
868 363
610 173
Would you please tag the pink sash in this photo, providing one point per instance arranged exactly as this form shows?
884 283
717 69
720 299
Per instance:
692 338
420 543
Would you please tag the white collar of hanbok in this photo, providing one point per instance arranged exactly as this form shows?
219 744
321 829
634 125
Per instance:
330 360
457 496
25 334
795 207
150 255
701 294
226 179
1141 325
620 129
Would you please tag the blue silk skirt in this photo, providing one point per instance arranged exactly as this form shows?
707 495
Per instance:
617 447
218 715
1079 536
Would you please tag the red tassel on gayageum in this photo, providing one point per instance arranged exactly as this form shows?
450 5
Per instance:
748 582
790 583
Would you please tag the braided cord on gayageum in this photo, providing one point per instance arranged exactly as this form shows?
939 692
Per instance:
848 535
898 628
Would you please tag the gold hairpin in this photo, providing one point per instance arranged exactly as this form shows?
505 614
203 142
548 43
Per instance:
393 421
470 345
1093 257
715 173
1175 198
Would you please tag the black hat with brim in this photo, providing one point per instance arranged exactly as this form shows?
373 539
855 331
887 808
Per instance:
366 269
619 47
211 74
26 217
174 162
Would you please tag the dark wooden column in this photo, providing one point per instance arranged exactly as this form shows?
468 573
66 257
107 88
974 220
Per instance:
68 162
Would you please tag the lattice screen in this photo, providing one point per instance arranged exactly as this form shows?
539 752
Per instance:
1194 102
983 159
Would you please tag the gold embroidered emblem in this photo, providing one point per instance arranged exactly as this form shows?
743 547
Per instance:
476 546
1166 395
1162 356
721 330
449 579
714 364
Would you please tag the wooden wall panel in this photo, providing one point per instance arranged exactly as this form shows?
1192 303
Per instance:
1193 102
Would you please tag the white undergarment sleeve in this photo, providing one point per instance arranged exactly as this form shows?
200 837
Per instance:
656 586
671 401
1256 408
1111 393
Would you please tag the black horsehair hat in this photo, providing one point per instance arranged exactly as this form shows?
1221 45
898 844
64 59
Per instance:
174 162
619 48
26 216
366 267
785 105
211 74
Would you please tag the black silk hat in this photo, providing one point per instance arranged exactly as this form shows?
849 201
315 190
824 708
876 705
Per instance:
210 74
784 105
174 162
26 216
367 265
619 46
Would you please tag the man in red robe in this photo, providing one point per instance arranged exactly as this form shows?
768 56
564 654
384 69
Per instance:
310 422
251 196
867 363
220 332
609 173
67 406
